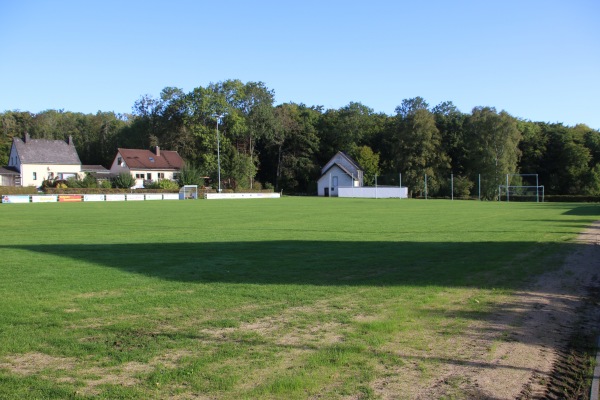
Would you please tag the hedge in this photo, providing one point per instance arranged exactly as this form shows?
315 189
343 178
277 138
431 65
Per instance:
18 190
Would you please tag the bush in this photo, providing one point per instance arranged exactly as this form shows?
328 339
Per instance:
163 184
124 181
74 183
190 175
18 190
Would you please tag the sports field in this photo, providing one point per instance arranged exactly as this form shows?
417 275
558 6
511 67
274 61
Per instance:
280 298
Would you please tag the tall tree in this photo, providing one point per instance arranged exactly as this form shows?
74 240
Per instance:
368 161
493 144
291 151
417 148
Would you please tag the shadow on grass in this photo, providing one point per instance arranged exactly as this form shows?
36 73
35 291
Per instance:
584 210
480 264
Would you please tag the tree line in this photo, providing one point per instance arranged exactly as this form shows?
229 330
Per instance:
284 146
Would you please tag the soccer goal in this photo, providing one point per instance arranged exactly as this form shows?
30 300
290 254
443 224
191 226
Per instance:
521 187
188 192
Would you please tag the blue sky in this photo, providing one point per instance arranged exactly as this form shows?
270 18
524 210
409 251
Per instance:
536 59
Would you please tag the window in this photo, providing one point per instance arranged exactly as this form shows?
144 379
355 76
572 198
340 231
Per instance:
161 175
35 176
149 176
119 160
139 176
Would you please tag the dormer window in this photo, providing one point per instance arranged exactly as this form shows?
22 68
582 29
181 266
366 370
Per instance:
151 159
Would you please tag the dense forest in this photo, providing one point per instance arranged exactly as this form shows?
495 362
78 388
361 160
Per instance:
283 146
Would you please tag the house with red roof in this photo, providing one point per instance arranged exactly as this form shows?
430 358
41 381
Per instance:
146 165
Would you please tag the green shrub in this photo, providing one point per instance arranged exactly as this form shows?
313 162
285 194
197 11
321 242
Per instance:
190 175
124 180
74 183
18 190
163 184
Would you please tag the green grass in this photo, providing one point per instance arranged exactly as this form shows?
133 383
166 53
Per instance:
287 298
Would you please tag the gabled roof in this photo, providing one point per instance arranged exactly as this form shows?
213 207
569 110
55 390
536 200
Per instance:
340 166
8 171
345 157
147 160
44 151
98 169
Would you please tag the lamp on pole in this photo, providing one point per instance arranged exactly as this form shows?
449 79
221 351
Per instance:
219 116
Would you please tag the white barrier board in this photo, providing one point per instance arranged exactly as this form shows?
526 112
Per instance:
115 197
218 196
154 196
15 199
93 197
371 192
44 199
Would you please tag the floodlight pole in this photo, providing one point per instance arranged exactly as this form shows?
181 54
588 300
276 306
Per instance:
219 116
452 186
400 184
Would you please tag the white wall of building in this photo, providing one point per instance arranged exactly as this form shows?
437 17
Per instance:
333 179
140 175
34 174
372 192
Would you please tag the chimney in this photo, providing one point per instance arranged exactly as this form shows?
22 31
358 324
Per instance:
26 137
70 141
157 152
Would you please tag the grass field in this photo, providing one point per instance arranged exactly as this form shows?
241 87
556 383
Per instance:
283 298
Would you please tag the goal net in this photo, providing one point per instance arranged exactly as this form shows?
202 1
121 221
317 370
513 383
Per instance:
521 187
188 192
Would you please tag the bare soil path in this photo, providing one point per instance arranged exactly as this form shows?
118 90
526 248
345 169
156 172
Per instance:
534 339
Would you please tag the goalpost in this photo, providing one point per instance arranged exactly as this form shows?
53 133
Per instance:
526 188
188 192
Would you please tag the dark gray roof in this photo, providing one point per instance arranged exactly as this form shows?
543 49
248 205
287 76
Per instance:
8 171
340 166
44 151
99 169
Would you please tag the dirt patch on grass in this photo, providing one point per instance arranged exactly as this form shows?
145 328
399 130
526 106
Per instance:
48 367
534 345
33 363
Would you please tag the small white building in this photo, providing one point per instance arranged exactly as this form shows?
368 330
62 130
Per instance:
145 165
34 160
340 171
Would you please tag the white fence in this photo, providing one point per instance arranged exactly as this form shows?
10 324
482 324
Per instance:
77 198
374 192
215 196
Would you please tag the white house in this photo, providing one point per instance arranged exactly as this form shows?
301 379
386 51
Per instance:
31 161
145 165
340 171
